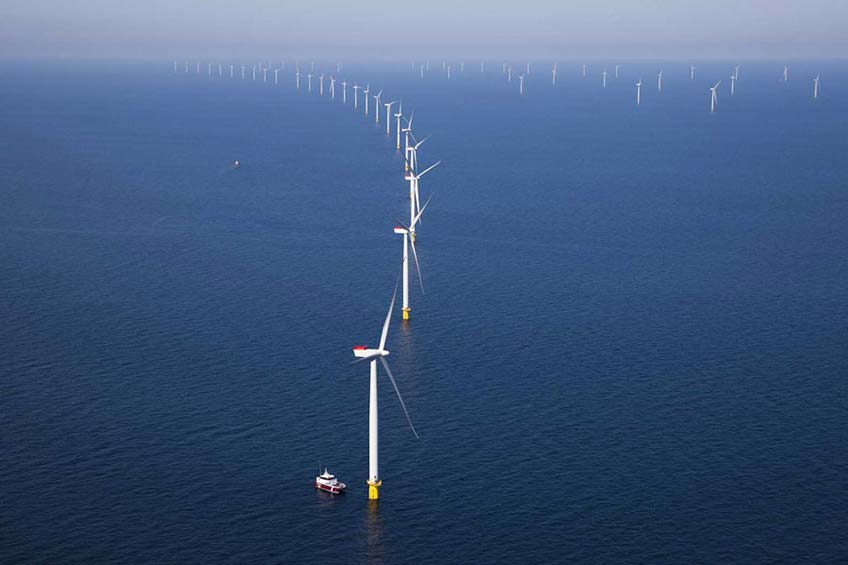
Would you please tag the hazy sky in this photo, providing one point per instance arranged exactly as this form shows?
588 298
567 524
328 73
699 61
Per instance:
347 28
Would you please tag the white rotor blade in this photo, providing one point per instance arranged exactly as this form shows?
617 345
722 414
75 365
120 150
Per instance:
418 216
388 319
417 204
420 143
417 266
431 167
402 405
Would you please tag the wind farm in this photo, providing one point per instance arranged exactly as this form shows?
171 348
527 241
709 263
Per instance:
334 284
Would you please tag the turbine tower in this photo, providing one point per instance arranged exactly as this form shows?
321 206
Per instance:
785 73
365 91
309 83
553 75
732 84
639 92
377 107
659 82
408 242
356 88
604 74
691 72
816 87
363 353
398 116
415 211
321 84
521 84
344 92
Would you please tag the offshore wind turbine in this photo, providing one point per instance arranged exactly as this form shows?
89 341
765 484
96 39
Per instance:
363 353
732 84
388 106
356 88
713 97
553 75
242 72
276 76
659 82
639 92
231 71
584 70
332 88
691 72
309 82
816 86
264 75
377 107
736 72
398 116
406 149
409 241
415 211
254 72
616 70
297 79
365 91
509 73
321 84
344 92
521 84
785 73
604 74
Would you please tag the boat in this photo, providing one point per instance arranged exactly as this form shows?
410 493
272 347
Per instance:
329 483
236 164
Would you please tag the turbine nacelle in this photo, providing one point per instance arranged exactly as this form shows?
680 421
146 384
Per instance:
363 352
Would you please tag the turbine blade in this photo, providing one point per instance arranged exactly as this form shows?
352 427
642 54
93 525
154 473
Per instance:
418 204
418 216
417 266
431 167
388 318
402 405
420 143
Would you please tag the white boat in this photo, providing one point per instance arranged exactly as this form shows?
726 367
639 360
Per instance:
329 483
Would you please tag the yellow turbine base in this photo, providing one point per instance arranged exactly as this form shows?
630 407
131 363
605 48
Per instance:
374 490
406 313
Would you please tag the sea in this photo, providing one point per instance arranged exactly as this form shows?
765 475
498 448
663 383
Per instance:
631 344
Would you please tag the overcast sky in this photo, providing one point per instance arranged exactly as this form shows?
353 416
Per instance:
472 28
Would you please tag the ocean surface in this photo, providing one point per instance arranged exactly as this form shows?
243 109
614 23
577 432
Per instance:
633 345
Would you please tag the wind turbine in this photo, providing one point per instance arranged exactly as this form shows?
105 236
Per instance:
584 70
209 69
242 72
406 149
175 66
509 73
254 72
421 71
553 75
449 71
276 76
785 73
264 75
297 79
415 211
462 67
344 92
332 88
231 71
639 92
616 70
736 72
409 241
362 353
398 116
356 88
659 82
309 82
527 70
388 106
691 72
521 84
816 86
713 97
377 107
365 91
604 74
321 84
198 68
732 84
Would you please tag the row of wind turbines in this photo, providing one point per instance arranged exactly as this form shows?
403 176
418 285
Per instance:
583 69
412 174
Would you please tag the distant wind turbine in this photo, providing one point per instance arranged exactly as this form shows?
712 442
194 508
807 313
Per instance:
604 74
553 75
713 97
639 92
388 106
659 82
691 72
521 84
816 87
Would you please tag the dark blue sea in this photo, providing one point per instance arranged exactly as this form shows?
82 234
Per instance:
633 345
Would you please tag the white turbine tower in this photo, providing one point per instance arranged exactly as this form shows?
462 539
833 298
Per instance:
321 84
276 76
309 82
231 71
388 106
736 72
415 211
713 97
816 86
732 84
264 75
509 73
377 107
344 92
365 91
254 72
785 73
521 84
659 82
616 70
584 70
691 72
398 116
365 354
356 88
406 149
639 92
553 75
527 70
297 80
332 88
604 74
175 67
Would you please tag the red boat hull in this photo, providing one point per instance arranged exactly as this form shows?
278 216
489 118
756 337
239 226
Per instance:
331 490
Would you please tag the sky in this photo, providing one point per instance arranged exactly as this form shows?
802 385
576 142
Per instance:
473 28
